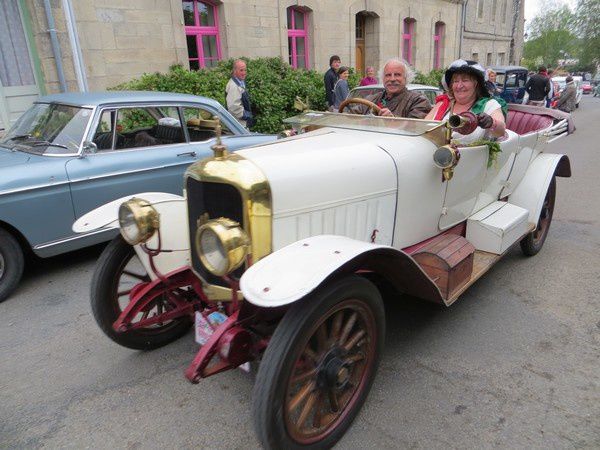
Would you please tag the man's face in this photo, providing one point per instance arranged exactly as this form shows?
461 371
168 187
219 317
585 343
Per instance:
394 78
335 65
240 71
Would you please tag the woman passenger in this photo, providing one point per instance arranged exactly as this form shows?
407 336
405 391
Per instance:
465 83
340 89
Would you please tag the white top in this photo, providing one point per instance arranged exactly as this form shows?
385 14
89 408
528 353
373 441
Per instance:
479 133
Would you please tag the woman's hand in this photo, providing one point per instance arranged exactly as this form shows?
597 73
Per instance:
485 120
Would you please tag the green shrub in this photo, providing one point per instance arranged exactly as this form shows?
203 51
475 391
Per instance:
273 86
432 78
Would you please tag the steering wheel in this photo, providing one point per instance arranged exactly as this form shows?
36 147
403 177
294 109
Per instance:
361 101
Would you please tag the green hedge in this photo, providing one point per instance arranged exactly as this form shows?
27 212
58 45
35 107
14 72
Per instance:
273 87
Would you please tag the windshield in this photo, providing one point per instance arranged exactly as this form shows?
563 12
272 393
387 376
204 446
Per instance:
49 129
389 125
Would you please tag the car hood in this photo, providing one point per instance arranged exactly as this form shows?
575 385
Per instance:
10 158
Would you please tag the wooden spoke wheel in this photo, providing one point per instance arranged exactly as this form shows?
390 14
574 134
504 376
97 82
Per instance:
534 241
117 273
361 101
319 366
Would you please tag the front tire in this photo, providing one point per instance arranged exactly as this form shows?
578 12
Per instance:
319 366
12 262
117 271
534 241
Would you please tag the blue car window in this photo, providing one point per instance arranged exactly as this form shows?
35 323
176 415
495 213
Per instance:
103 138
147 127
201 125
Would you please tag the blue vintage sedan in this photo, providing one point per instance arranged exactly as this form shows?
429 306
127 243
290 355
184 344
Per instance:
70 153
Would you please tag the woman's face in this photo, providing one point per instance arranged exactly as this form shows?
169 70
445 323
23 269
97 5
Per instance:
344 75
370 72
463 88
492 77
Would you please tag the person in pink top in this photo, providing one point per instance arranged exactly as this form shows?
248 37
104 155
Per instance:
370 78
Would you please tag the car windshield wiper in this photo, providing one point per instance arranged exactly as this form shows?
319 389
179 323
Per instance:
20 136
46 143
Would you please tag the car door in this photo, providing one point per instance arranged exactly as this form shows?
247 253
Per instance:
464 187
139 148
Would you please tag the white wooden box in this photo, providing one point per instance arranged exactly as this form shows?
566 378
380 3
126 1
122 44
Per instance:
497 226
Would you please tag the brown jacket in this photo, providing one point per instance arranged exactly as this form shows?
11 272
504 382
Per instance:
404 104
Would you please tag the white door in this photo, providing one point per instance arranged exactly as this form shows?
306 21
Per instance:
18 87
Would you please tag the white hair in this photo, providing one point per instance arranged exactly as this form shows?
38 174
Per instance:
408 71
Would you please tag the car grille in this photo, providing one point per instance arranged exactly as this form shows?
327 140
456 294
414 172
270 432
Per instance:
216 200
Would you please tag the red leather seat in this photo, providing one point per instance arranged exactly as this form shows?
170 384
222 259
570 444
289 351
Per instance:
524 123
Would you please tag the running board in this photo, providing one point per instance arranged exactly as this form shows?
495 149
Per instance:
482 262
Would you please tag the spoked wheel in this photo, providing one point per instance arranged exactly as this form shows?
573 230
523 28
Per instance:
118 271
319 366
533 242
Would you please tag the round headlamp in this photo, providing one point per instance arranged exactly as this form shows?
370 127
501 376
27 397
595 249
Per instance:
222 245
445 157
138 221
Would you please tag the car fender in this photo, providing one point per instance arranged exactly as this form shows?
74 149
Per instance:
172 210
531 191
293 272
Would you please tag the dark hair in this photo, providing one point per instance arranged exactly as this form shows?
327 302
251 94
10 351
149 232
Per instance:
541 69
569 79
343 69
334 58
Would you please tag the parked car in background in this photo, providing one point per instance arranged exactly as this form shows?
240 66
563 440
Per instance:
511 82
431 92
586 87
70 153
560 83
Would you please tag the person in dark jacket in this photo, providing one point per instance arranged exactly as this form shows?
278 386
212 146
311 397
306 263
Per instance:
331 76
396 100
568 98
538 87
341 87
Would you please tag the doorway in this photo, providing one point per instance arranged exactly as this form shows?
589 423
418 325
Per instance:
367 41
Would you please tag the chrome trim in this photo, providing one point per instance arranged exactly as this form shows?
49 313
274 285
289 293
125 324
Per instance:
31 188
112 174
71 238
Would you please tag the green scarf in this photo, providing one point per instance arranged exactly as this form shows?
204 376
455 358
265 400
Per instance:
479 105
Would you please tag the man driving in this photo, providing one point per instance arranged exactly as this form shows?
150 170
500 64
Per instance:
396 100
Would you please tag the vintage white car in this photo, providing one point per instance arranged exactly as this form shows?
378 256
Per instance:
280 252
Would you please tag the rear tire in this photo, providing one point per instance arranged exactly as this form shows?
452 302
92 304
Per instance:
12 263
106 308
534 241
319 366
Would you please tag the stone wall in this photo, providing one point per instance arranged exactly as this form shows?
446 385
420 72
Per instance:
119 39
487 38
122 39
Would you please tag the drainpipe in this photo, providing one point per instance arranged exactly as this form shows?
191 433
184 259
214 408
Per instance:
75 46
55 47
462 27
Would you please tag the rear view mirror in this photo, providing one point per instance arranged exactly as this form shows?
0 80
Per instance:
89 147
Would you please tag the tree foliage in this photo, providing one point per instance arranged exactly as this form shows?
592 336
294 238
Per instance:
587 26
551 36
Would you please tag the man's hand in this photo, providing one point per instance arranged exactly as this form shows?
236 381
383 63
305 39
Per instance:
386 112
485 120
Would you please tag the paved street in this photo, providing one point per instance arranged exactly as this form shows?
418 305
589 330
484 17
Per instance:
514 364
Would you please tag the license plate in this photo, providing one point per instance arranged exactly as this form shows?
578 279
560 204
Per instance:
204 325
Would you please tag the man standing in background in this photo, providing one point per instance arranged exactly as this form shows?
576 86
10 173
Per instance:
331 76
238 100
538 87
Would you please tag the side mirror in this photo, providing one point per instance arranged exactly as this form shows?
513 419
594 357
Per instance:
89 147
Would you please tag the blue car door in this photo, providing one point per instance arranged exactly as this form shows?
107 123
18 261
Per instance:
139 149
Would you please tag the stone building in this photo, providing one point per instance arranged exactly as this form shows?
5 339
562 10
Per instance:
67 45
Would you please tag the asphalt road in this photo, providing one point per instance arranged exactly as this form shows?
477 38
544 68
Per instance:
514 364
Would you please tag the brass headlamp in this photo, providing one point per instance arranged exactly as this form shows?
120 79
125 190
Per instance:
446 158
222 245
138 221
